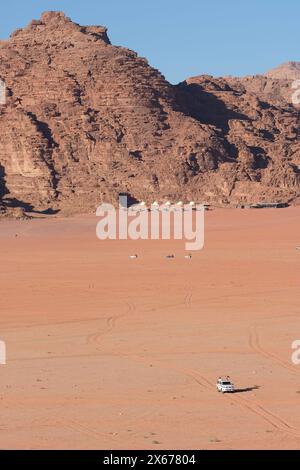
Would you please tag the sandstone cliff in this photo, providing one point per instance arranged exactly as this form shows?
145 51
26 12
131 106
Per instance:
85 120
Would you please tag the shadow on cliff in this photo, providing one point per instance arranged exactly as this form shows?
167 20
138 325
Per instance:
127 200
3 188
14 203
207 107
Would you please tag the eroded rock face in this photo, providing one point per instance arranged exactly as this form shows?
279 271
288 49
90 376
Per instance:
85 121
263 138
279 86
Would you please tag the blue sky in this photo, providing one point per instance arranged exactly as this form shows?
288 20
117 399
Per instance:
184 37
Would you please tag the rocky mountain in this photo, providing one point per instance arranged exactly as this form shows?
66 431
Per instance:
85 121
276 85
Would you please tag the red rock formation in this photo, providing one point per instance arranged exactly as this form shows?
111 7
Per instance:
263 138
275 85
85 120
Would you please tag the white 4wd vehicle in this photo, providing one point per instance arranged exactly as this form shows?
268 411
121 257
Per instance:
225 385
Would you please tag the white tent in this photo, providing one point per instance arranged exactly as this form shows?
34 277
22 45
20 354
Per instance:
155 206
179 206
142 206
167 206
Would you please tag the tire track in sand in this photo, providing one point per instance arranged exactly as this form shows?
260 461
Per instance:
274 420
71 425
188 298
254 407
254 344
95 338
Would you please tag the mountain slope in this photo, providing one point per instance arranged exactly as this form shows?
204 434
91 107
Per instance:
86 120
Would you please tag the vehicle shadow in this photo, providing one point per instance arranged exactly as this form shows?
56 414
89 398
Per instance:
246 390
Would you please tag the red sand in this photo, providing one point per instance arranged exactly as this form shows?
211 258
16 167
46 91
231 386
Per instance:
110 353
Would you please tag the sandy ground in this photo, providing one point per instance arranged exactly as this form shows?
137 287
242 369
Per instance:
110 353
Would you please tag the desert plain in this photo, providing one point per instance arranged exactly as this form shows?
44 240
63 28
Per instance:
105 352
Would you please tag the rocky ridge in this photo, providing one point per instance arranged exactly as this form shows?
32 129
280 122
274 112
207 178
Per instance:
85 121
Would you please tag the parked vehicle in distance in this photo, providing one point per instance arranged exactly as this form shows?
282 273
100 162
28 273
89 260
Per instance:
225 385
